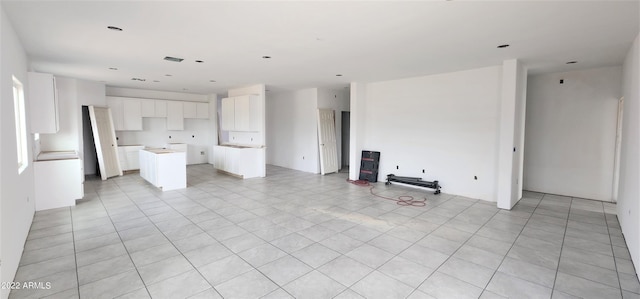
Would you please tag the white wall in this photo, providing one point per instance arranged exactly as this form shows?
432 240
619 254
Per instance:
629 190
197 133
570 132
16 200
446 124
291 126
338 100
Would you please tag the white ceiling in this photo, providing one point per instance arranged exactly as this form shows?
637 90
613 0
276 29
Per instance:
311 42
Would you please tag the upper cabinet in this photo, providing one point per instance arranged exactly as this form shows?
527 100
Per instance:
126 113
189 109
196 110
241 114
202 110
175 116
161 108
43 99
148 108
227 121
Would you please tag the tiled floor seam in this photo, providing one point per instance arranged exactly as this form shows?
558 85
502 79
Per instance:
450 255
181 253
75 256
125 248
564 235
512 244
615 264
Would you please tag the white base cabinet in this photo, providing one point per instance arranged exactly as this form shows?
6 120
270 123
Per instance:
58 183
245 162
129 157
164 168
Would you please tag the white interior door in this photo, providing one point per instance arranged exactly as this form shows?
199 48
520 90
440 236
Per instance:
327 141
104 137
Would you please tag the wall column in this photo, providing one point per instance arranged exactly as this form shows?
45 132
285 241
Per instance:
357 130
511 138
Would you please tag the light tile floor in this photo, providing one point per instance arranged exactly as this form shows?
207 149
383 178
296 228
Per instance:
300 235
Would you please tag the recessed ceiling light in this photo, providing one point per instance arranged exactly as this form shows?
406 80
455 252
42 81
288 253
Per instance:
503 46
156 81
114 28
199 61
572 62
212 81
339 75
113 68
174 59
266 57
168 75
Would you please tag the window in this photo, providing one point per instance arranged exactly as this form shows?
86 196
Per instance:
21 127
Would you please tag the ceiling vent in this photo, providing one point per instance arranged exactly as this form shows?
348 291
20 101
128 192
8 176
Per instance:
138 79
174 59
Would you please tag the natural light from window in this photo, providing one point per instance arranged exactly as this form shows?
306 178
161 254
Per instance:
21 127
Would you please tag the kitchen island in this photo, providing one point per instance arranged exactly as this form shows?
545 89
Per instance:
240 161
164 168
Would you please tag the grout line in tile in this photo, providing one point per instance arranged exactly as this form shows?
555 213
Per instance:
125 247
512 244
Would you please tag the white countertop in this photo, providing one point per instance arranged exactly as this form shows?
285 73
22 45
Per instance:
161 150
57 155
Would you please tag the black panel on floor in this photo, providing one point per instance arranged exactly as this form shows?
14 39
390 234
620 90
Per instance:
369 166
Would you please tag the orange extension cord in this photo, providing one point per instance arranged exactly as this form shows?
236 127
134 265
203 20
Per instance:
403 200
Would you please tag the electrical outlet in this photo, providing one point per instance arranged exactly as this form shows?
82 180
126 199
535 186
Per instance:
423 171
302 157
475 177
202 153
397 167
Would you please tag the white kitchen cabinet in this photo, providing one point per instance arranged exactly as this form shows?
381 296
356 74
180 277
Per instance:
58 183
43 99
148 108
154 108
241 113
175 116
161 108
129 157
255 114
179 147
244 162
190 109
227 121
202 110
126 113
117 112
164 168
132 113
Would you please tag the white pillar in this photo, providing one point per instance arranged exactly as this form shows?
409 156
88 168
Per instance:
357 130
511 142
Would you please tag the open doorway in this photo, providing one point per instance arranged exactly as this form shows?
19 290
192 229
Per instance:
89 146
346 129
